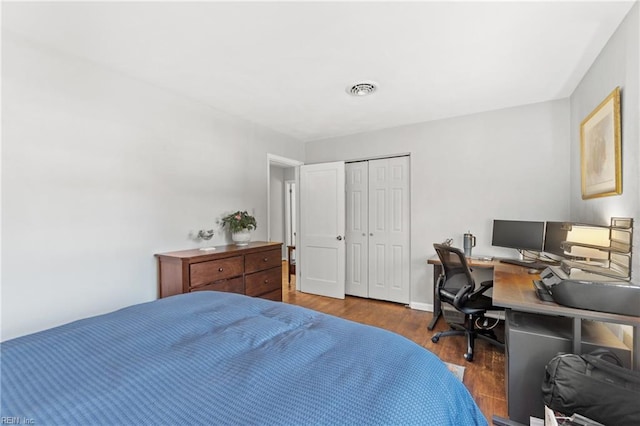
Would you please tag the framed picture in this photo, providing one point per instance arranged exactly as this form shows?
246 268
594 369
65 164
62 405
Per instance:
600 153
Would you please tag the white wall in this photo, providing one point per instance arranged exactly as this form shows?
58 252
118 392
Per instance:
467 171
101 171
617 65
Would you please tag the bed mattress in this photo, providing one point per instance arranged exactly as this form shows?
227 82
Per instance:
223 358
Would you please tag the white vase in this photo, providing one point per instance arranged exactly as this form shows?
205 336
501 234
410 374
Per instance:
241 238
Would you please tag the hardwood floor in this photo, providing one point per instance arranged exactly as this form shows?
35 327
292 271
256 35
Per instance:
484 377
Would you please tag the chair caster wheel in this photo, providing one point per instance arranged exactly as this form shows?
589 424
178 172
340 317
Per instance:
435 339
468 357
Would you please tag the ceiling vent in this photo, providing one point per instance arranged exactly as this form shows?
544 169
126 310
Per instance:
362 89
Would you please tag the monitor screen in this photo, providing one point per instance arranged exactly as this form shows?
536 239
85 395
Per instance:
518 234
555 233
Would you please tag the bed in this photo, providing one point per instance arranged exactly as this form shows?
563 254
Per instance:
222 358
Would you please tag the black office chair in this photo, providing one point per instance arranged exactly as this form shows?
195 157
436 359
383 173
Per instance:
457 288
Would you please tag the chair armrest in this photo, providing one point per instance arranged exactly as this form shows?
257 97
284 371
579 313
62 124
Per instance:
448 295
484 286
462 296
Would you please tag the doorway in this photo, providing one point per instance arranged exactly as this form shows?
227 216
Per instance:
282 207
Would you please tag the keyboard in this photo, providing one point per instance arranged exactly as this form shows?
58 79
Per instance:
542 291
526 263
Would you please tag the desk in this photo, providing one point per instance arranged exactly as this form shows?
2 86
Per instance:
513 289
527 347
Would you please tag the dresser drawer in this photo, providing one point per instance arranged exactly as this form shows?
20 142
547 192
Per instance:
234 285
215 270
263 282
263 260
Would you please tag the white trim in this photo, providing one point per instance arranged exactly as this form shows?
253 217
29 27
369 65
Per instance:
378 157
282 161
421 306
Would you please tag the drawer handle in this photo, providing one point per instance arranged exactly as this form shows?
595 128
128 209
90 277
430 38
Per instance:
266 259
266 281
220 269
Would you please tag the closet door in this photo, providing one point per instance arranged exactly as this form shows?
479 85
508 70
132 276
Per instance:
357 233
389 233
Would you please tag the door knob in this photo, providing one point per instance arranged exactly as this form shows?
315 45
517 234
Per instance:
339 237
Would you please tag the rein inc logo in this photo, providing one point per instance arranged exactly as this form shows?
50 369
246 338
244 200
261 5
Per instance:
16 420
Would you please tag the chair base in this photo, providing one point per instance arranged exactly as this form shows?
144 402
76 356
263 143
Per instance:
472 333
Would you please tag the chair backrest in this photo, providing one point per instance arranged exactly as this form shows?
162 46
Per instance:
458 281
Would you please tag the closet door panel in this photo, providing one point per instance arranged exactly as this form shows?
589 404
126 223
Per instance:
399 233
378 223
389 214
357 228
396 270
377 271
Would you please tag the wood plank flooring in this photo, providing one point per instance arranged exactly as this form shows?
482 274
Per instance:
484 377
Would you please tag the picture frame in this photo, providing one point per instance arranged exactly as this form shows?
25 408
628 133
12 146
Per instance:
600 149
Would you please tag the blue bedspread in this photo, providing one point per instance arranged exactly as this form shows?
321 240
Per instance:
221 358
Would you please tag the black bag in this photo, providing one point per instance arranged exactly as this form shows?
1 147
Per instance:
593 387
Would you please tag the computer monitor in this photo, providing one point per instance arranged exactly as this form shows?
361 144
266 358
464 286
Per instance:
555 233
518 234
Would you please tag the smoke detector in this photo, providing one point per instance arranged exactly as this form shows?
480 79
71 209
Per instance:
363 88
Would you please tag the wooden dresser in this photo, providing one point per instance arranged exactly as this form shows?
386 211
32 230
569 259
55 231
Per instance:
254 270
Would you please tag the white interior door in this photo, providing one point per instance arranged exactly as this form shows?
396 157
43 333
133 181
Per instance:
389 233
321 258
357 239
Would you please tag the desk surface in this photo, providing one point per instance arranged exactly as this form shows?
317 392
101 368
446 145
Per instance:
477 263
513 288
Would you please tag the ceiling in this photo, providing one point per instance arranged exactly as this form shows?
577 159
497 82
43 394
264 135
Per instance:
286 65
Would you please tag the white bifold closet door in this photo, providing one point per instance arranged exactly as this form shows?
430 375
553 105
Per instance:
377 229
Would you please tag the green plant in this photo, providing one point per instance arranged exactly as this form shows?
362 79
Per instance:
239 221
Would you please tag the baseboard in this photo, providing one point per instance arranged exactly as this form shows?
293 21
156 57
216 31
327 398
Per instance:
419 306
